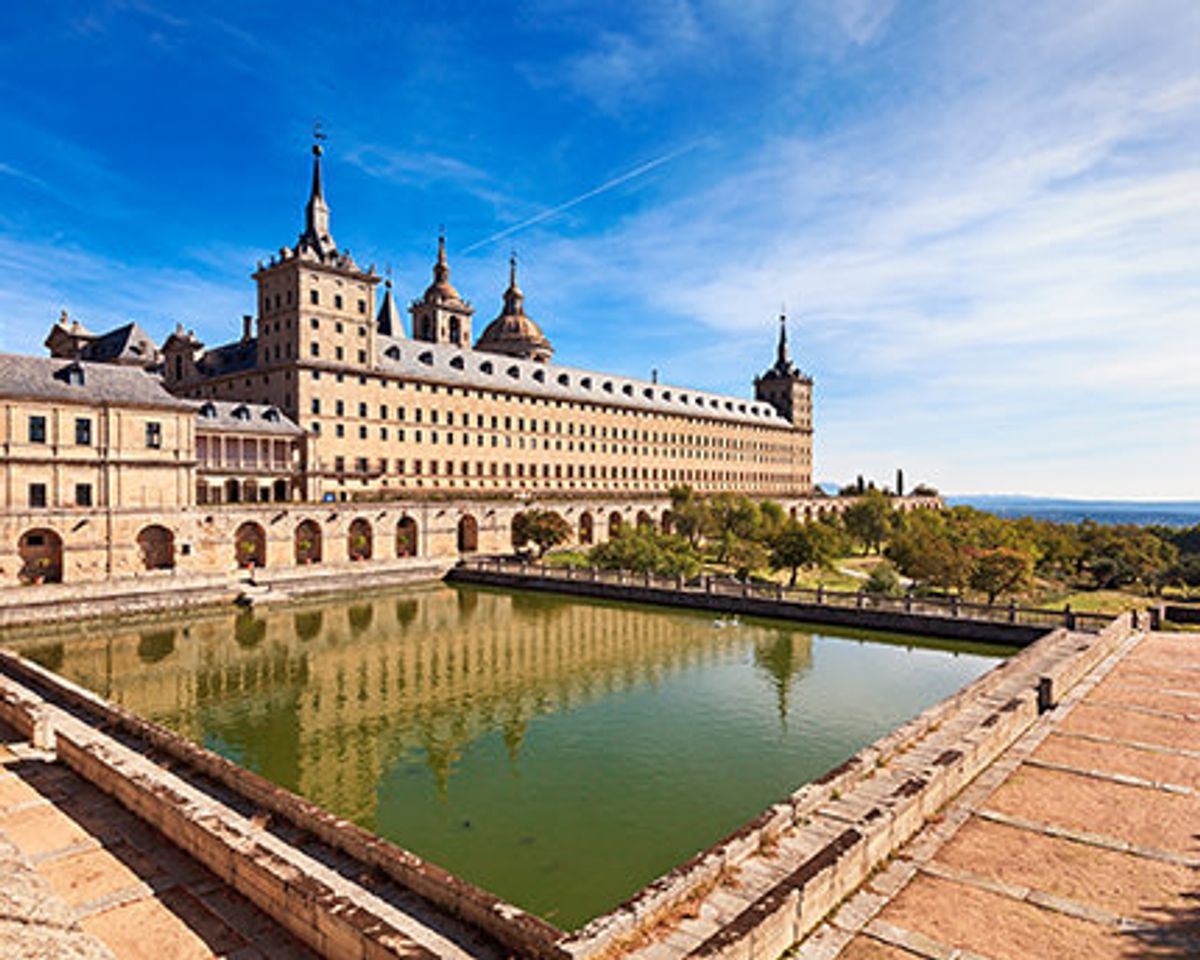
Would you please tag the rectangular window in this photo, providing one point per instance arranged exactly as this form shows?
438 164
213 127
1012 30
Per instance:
83 432
339 353
83 494
316 404
339 464
314 349
362 306
337 301
37 494
37 429
314 296
153 434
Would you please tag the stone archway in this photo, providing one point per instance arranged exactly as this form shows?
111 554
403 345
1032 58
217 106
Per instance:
644 520
468 534
250 545
308 543
359 540
514 527
406 537
615 523
157 545
666 523
587 532
41 553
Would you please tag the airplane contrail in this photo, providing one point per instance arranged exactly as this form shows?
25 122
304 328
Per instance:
594 192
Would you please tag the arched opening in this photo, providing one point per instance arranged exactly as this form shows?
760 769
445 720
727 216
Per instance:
666 522
308 543
614 524
358 541
792 513
644 520
406 537
468 534
250 545
41 553
157 545
518 541
808 515
586 528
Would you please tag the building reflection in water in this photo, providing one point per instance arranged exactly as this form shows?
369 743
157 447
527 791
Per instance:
326 698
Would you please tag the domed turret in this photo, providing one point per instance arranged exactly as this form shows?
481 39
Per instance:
513 333
441 315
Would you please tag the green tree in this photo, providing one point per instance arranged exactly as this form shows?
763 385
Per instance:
645 550
798 545
543 528
730 517
869 520
1002 570
688 513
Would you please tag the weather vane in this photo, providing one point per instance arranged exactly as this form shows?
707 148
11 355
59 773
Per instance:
318 133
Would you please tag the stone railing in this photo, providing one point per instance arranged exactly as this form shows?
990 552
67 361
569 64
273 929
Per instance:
945 608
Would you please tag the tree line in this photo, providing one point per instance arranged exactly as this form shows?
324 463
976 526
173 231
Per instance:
954 550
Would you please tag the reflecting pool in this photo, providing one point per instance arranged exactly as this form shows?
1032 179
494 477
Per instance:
559 752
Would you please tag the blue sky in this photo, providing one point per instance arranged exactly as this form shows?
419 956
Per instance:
983 218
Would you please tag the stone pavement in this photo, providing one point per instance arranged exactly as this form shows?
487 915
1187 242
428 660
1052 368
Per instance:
81 877
1083 840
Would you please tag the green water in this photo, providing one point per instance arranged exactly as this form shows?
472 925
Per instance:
561 753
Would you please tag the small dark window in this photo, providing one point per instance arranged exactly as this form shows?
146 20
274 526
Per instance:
362 306
337 301
316 404
37 495
37 429
314 323
83 432
314 296
154 434
83 494
314 349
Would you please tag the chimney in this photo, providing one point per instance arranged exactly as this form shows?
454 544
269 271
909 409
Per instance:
247 322
899 482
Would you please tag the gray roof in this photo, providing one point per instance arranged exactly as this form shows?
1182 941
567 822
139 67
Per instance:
235 416
51 378
233 357
445 363
127 344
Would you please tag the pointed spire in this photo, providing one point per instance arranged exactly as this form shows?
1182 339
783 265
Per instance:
388 321
442 290
316 235
514 299
782 359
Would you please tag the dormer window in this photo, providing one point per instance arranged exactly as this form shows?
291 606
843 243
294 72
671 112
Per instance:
486 367
208 411
648 393
457 363
564 380
608 386
586 383
241 412
72 375
392 353
271 415
539 376
426 358
627 389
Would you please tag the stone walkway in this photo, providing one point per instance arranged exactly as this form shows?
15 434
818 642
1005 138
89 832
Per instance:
81 877
1081 841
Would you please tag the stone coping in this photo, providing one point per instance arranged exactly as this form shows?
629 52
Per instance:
61 715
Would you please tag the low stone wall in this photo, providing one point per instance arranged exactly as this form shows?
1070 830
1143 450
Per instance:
765 886
264 878
983 631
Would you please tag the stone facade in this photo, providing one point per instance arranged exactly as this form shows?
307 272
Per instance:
326 434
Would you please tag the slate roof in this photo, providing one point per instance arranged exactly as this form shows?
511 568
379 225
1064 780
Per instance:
444 363
128 344
235 416
233 357
48 378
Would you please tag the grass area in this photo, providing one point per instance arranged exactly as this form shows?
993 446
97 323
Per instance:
1096 601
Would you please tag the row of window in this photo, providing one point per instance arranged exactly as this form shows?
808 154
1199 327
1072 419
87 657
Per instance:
83 431
38 497
314 297
557 471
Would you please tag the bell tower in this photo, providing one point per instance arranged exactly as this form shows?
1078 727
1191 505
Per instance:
441 315
784 387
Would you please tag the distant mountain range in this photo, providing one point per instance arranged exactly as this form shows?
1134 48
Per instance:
1172 513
